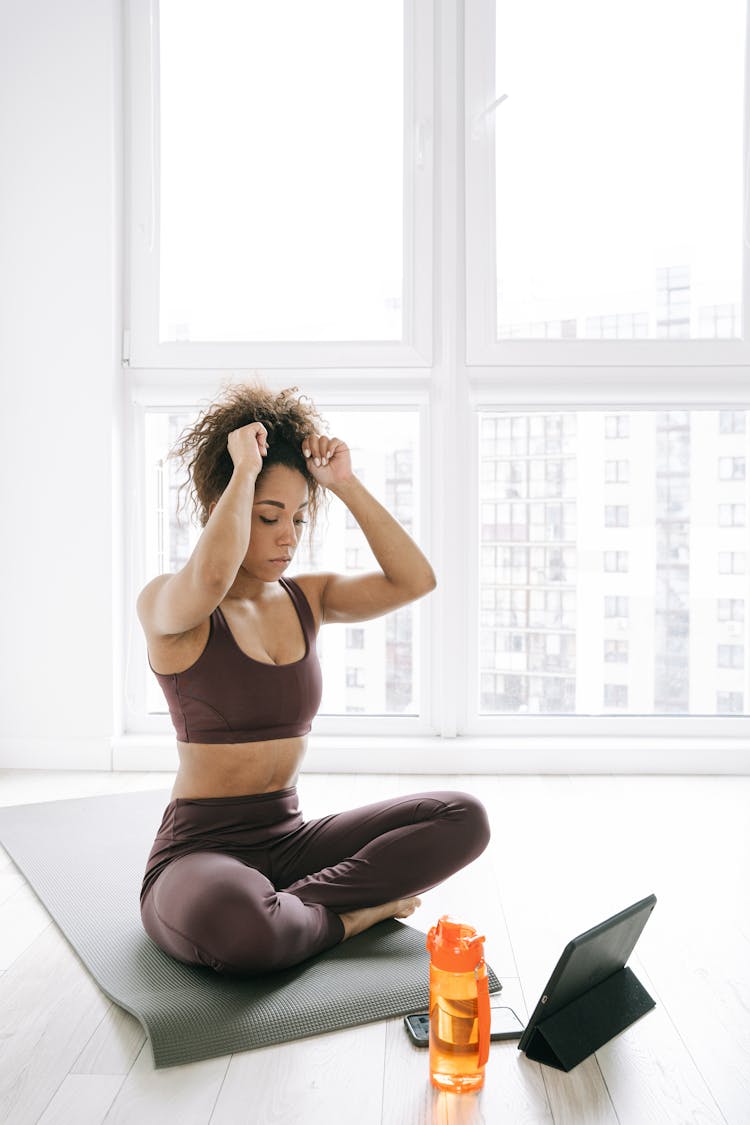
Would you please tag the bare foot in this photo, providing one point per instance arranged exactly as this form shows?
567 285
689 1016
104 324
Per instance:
355 921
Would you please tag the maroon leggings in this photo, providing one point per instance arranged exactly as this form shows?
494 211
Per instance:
245 885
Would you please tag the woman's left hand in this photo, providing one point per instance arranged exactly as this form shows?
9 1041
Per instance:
328 459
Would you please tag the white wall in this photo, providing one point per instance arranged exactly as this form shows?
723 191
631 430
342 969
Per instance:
60 269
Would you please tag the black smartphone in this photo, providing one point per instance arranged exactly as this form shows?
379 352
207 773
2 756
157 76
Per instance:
505 1025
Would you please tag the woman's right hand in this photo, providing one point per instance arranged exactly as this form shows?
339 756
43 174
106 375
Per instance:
248 446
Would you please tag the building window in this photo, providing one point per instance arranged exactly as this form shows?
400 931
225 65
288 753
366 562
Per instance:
616 515
616 606
730 609
617 425
615 652
731 515
730 703
732 562
616 695
731 468
617 472
616 561
732 421
719 322
618 326
730 656
673 302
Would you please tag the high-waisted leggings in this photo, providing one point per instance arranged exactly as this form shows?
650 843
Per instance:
244 885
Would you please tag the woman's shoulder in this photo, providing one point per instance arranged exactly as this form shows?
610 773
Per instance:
168 618
146 598
170 654
312 586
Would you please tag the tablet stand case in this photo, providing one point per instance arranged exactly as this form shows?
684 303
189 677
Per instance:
565 1039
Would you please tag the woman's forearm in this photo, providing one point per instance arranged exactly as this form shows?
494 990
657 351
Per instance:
225 538
400 559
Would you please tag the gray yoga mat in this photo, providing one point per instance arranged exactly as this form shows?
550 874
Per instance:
84 858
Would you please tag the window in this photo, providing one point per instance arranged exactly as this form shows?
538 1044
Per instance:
650 613
615 695
249 230
731 656
732 421
732 562
720 321
617 471
616 515
276 261
355 677
547 437
615 652
385 680
616 607
731 609
729 703
617 426
355 638
666 270
616 561
731 468
731 515
388 678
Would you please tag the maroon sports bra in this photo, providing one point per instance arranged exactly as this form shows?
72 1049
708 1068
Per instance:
226 696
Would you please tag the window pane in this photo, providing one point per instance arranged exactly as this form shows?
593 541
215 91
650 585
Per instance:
601 615
281 196
619 168
169 541
371 668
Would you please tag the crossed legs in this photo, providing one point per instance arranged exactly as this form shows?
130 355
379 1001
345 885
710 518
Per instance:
314 886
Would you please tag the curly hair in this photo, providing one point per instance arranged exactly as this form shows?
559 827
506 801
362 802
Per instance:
202 448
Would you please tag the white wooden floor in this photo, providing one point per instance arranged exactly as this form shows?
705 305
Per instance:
566 853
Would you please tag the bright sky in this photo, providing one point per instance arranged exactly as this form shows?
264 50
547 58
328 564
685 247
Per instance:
619 150
282 167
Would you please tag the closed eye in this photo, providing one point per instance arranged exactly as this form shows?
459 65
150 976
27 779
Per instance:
264 519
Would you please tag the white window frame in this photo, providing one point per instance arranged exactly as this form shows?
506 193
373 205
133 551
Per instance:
483 101
141 345
458 383
562 742
150 392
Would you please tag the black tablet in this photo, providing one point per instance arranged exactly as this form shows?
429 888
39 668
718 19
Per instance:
589 960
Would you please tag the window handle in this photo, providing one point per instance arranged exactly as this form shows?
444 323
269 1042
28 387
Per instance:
478 126
424 136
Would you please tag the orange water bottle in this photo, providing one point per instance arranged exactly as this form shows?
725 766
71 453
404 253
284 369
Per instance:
459 1006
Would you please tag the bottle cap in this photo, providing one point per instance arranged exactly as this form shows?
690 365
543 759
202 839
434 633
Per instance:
455 946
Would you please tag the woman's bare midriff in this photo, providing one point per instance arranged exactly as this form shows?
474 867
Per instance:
237 769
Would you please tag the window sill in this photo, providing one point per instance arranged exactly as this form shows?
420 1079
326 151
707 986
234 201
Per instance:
625 754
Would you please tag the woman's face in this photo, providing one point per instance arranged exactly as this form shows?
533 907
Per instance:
278 519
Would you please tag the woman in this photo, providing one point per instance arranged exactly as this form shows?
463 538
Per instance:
236 879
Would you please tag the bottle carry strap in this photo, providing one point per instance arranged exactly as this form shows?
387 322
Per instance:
484 1015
